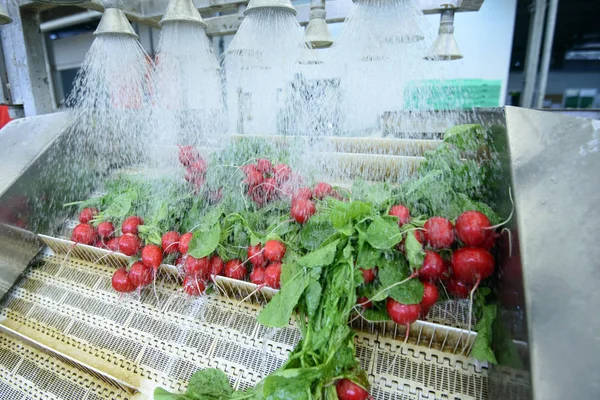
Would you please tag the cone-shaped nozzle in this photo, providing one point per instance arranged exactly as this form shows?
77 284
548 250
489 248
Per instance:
445 47
114 21
182 11
4 18
317 31
283 4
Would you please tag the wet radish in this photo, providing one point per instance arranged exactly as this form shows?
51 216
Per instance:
369 274
439 232
302 193
433 266
274 250
322 190
113 244
302 210
184 242
187 155
457 288
152 256
402 212
257 276
140 275
170 242
121 282
193 286
472 264
264 166
215 266
130 225
473 228
255 256
84 234
273 275
282 173
235 269
364 302
87 214
348 390
106 229
129 244
197 267
402 314
430 295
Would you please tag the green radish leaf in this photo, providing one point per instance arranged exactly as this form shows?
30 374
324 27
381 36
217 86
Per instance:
291 384
376 315
119 208
481 349
344 213
367 257
414 252
321 257
277 313
315 231
391 272
209 383
203 243
313 297
383 233
162 394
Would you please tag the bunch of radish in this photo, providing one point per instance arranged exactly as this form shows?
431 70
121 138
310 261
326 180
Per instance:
102 236
195 166
266 263
303 206
265 181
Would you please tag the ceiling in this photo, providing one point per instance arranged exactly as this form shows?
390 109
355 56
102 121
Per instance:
578 23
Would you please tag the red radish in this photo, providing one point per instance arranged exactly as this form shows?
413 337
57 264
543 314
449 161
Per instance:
235 269
369 274
420 236
84 234
140 275
179 262
270 188
302 193
129 244
106 229
254 178
302 210
170 242
198 167
255 256
273 275
402 212
121 282
99 243
364 302
433 266
473 228
257 276
130 225
193 286
348 390
184 242
472 264
264 166
187 155
249 168
87 214
199 267
490 241
439 233
216 266
402 314
113 244
152 256
274 250
322 190
457 288
282 173
430 295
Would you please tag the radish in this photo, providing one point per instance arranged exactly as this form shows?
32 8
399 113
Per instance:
152 256
457 288
348 390
84 234
140 275
198 167
130 225
87 214
473 228
270 188
282 173
170 242
274 250
235 269
322 190
402 212
439 233
180 260
255 256
302 193
106 229
369 274
257 276
199 267
113 244
433 266
273 275
193 286
187 155
99 243
254 178
129 244
472 264
364 302
264 166
184 242
121 282
302 210
216 266
402 314
430 296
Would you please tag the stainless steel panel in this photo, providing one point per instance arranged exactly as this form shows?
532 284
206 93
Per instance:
555 167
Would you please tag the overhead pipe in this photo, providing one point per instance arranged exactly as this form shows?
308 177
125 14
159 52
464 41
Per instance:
534 43
547 52
69 20
317 31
